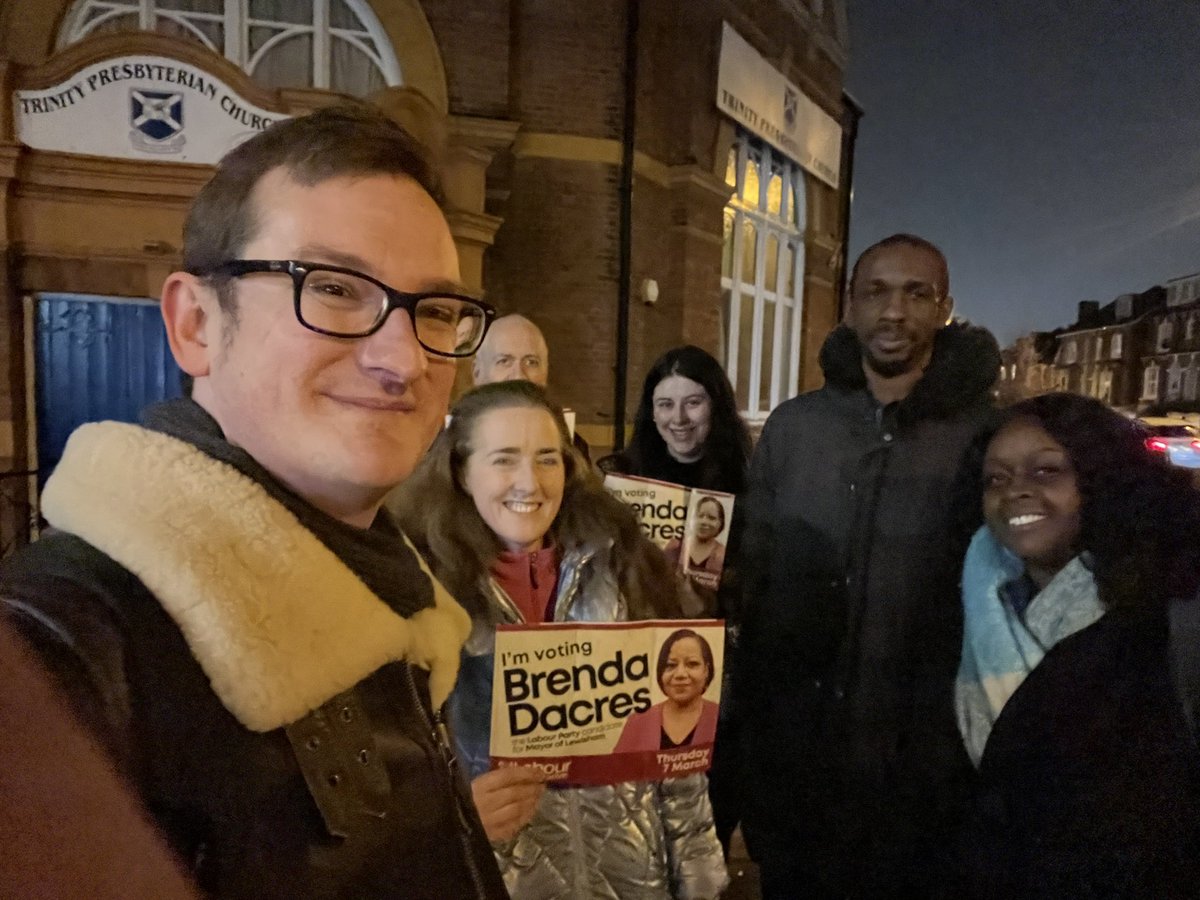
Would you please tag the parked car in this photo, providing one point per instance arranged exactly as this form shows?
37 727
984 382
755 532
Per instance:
1175 439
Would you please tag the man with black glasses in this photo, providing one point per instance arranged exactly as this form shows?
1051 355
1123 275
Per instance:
850 561
247 634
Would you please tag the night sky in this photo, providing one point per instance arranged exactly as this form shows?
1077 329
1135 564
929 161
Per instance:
1052 149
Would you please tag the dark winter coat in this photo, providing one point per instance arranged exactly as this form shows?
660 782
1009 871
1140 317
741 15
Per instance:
850 561
1089 784
270 699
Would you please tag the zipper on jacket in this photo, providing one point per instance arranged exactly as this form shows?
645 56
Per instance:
441 740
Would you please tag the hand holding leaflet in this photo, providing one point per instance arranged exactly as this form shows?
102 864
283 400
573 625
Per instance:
506 800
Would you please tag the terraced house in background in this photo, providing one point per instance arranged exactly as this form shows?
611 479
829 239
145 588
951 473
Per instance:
1139 353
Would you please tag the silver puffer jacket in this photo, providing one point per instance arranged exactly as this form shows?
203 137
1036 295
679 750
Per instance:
649 840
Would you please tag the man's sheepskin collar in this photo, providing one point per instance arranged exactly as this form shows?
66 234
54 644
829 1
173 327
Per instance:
278 623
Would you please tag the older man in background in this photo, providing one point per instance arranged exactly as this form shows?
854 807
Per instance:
514 349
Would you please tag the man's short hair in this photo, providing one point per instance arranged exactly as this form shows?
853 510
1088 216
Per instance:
337 141
908 240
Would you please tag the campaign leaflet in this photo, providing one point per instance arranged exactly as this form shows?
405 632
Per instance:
691 525
597 703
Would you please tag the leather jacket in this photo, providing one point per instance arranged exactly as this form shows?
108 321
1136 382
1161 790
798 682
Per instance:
275 716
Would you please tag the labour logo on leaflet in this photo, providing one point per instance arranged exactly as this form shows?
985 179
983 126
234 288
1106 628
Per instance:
791 102
157 120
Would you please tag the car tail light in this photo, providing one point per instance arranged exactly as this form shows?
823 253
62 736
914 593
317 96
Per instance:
1196 446
1158 445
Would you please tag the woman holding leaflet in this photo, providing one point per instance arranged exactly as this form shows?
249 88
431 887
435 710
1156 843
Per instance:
520 531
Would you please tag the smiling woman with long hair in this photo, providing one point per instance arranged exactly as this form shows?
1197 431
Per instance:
1066 702
686 429
520 530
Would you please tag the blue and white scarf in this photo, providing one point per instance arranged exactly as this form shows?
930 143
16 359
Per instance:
1000 646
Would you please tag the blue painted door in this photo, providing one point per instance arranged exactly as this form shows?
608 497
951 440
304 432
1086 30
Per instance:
96 358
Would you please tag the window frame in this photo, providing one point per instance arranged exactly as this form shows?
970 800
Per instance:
787 226
1175 374
236 24
1163 336
1150 392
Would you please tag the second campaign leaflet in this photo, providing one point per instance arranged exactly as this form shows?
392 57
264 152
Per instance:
691 525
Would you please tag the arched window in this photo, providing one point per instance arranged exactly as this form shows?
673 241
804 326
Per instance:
333 44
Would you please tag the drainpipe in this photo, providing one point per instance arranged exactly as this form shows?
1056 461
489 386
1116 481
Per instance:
850 118
625 227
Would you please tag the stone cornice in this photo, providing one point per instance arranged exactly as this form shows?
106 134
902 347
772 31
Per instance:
473 227
693 176
167 255
486 134
44 170
578 148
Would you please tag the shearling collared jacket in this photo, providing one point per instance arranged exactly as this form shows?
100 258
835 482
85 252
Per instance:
850 560
274 713
645 840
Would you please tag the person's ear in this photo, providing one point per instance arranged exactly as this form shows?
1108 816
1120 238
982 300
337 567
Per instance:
948 308
192 321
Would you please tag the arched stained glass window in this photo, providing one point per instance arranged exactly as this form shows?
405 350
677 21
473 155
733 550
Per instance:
333 44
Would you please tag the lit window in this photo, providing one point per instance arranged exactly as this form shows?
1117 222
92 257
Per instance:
1115 346
1189 330
1099 347
1069 352
337 45
762 276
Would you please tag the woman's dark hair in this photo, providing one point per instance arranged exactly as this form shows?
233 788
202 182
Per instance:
1139 516
727 449
664 653
720 510
439 516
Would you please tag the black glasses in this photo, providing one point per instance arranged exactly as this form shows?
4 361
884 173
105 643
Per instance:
344 303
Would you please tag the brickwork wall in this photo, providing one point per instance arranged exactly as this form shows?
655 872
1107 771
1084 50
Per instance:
555 258
474 41
567 66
